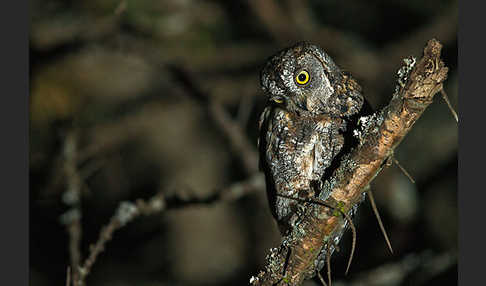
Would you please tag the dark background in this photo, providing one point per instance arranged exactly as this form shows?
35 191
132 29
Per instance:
104 69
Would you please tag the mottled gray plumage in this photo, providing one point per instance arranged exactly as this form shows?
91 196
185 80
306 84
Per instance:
301 130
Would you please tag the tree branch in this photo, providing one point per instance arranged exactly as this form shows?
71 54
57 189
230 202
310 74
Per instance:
230 128
381 133
128 211
72 197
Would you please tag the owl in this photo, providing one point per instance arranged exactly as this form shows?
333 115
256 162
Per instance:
305 127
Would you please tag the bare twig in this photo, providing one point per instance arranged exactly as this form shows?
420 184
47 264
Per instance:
446 99
244 110
68 276
323 282
231 193
71 197
237 138
378 218
404 171
353 243
383 132
128 211
125 213
425 265
328 262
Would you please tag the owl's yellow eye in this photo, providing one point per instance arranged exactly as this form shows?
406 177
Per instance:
302 77
277 100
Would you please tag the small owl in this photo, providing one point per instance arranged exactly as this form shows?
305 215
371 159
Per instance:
312 104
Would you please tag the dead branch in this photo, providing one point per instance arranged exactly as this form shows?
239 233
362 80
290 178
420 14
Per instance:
378 218
68 276
71 197
404 171
382 132
128 211
231 129
415 268
446 99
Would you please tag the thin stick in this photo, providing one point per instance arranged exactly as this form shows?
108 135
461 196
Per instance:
403 170
72 198
328 262
68 276
321 278
157 204
353 244
377 214
237 138
446 99
244 110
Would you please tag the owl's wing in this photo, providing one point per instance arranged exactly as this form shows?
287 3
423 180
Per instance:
265 126
261 141
288 148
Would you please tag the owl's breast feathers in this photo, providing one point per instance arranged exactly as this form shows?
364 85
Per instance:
294 152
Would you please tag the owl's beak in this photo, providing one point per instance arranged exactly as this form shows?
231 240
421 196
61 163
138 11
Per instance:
277 99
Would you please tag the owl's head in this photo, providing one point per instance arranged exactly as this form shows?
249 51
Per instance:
304 79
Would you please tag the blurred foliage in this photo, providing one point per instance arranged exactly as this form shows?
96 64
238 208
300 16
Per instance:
101 68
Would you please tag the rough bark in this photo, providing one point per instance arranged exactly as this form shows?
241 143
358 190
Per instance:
381 133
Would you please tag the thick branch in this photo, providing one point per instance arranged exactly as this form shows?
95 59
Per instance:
381 134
